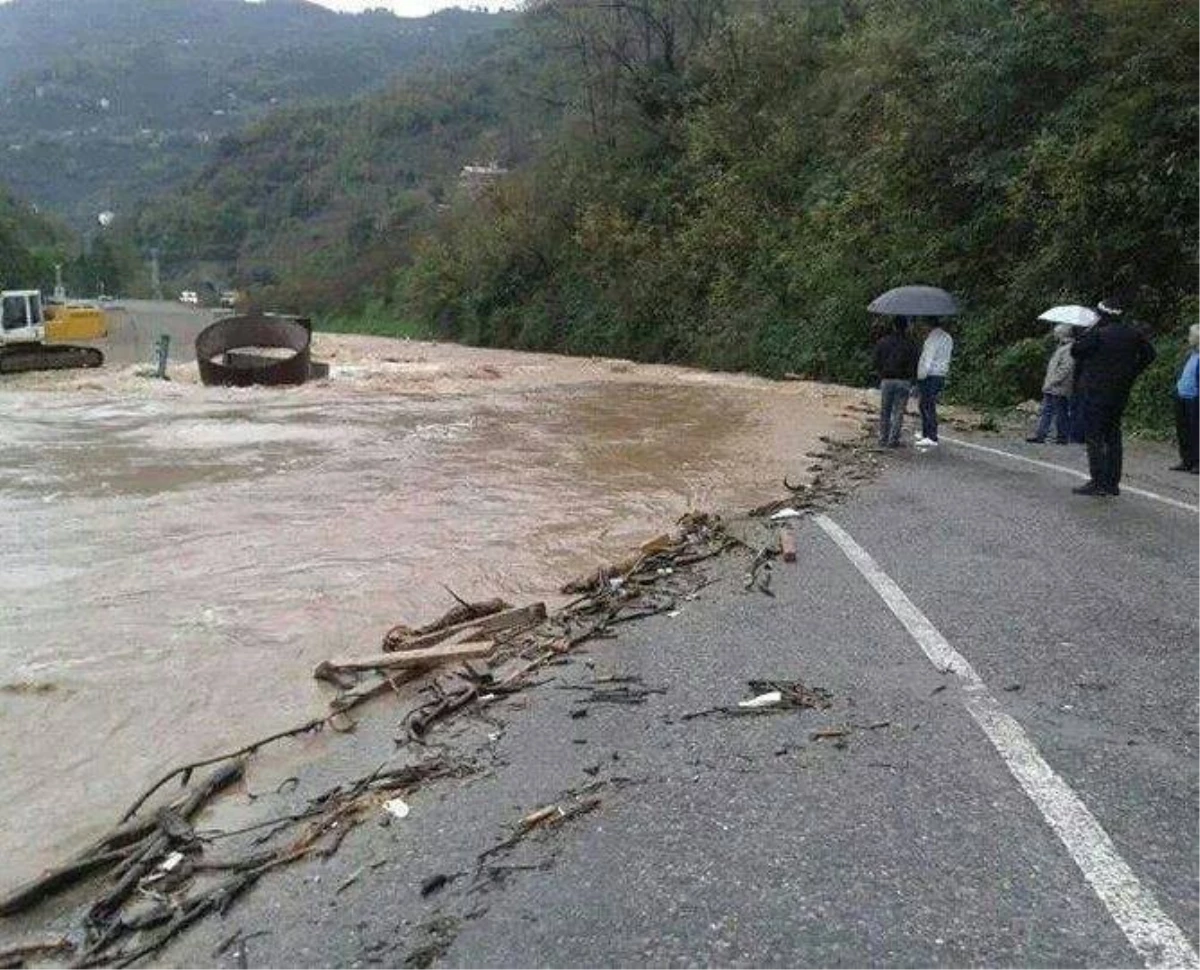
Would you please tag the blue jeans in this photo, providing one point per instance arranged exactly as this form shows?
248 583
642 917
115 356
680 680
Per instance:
1055 410
929 388
892 402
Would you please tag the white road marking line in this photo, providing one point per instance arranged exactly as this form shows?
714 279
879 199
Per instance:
1132 490
1149 930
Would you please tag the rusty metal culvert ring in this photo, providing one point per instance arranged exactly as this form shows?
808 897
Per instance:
225 351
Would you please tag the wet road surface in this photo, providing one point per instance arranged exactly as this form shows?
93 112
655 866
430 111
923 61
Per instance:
906 840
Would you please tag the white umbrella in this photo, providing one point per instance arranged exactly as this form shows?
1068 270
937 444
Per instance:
1076 316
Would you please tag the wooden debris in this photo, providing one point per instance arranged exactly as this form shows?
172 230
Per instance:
549 815
423 657
399 638
841 464
54 880
518 641
350 880
620 693
602 576
444 704
660 543
16 954
793 695
172 830
330 817
456 616
536 818
130 851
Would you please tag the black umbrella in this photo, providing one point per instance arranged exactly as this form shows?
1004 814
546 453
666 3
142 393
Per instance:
915 301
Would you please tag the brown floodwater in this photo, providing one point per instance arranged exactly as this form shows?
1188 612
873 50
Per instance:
175 559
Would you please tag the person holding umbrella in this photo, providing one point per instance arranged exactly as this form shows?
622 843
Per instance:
1058 389
896 357
1113 353
1187 407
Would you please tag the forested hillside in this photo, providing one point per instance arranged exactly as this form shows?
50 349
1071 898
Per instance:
740 181
106 101
33 244
29 245
728 184
318 205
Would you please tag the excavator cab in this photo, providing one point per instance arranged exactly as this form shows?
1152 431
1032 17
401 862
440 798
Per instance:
23 336
22 318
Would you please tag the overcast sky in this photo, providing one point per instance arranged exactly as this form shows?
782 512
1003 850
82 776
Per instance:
413 8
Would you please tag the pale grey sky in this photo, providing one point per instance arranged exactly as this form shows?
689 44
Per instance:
408 8
413 8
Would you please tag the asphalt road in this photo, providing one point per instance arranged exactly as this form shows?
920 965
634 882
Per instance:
749 841
136 325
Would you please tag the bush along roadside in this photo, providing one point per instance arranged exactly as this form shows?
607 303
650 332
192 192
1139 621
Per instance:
699 216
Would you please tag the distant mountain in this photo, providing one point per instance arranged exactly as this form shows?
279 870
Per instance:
106 101
324 200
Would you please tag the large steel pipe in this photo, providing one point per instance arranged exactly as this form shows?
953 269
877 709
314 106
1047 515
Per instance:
226 351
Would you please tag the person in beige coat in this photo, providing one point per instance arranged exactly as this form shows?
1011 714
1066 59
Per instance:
1057 389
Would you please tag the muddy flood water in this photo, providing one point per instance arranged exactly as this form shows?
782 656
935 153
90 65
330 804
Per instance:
174 559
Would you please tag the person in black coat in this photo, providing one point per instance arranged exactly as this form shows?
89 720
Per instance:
896 357
1113 353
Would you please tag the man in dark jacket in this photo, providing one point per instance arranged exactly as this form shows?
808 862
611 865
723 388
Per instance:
896 358
1113 354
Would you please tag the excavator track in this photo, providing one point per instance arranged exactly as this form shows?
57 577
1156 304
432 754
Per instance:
19 358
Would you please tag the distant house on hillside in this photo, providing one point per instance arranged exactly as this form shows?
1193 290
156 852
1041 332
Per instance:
476 178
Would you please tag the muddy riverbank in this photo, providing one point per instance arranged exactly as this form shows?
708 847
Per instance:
179 557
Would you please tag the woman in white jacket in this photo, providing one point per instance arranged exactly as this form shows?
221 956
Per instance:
1057 389
932 370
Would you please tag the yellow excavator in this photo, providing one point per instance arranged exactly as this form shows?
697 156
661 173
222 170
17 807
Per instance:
32 335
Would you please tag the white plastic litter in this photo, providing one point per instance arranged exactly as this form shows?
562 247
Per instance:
397 807
787 514
171 861
763 700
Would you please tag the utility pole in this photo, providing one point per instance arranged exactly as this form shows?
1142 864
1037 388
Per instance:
60 291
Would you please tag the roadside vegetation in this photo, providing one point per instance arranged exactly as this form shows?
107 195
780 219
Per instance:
375 318
731 190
